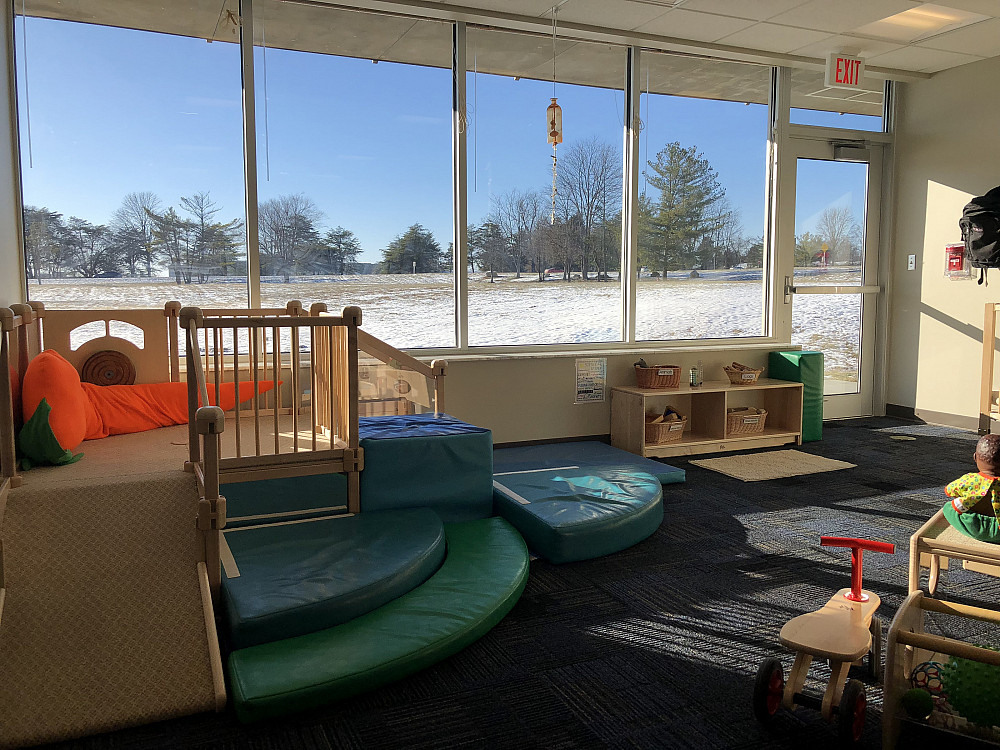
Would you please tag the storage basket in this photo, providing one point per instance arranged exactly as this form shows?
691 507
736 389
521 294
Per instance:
745 421
661 376
658 433
742 375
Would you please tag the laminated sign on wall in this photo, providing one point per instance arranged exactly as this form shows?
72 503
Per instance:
591 379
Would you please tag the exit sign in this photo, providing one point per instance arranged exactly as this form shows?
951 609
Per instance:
844 71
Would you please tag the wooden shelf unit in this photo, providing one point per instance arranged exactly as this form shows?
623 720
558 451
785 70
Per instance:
705 407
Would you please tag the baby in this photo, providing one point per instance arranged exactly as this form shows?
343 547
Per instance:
975 497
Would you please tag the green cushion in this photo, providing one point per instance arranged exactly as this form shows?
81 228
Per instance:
976 525
578 513
481 579
805 368
37 443
296 578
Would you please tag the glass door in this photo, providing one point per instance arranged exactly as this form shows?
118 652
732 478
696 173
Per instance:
834 289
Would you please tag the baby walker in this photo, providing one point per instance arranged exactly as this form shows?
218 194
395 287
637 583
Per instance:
842 631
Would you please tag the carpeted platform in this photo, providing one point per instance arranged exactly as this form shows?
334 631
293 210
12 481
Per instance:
657 646
103 625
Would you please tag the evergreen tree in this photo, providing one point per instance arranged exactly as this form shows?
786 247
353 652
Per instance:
686 208
340 249
414 251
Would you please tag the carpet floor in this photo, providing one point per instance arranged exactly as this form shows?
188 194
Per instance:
657 646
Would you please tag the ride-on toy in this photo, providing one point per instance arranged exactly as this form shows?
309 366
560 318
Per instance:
842 631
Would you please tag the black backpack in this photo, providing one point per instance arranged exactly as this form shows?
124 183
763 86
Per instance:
980 225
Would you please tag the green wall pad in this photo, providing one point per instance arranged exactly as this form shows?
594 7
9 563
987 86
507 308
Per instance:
284 499
451 474
805 368
578 513
289 579
481 579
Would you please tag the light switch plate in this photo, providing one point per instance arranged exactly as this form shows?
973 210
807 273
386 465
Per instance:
911 262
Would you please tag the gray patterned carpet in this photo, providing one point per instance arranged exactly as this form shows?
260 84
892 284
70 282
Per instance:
657 646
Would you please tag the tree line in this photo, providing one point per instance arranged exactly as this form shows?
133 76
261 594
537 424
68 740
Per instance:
684 222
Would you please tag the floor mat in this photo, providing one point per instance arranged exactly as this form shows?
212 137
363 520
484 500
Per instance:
757 467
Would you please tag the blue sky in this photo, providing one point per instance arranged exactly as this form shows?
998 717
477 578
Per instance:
114 111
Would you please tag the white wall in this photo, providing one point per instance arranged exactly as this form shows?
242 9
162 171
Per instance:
11 274
947 150
532 399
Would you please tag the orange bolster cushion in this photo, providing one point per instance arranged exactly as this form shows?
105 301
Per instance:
84 411
123 409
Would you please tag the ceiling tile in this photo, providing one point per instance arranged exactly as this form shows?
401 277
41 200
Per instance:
982 38
689 24
847 44
626 15
843 15
921 59
986 7
772 37
758 10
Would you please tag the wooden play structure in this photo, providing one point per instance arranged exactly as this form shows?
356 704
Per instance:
843 631
325 372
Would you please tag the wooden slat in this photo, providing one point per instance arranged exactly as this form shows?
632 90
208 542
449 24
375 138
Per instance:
296 394
275 372
255 365
986 377
236 381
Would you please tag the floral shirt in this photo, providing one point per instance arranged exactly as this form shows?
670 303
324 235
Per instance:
970 488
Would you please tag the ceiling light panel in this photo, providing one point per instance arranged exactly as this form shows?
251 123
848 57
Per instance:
919 23
843 15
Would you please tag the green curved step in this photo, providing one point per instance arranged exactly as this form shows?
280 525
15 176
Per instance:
480 580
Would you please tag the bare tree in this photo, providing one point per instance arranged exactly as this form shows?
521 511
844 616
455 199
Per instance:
589 187
837 227
516 214
132 225
288 234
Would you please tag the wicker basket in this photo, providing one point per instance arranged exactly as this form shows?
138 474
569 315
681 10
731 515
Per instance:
739 376
661 376
658 433
745 421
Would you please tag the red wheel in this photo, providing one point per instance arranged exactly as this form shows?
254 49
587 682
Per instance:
768 689
853 708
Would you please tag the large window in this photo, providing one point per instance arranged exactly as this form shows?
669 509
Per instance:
354 167
131 137
131 157
544 224
700 218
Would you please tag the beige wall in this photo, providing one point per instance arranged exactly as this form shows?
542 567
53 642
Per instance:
947 150
11 280
532 399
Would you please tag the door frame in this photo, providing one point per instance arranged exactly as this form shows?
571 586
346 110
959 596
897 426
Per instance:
831 146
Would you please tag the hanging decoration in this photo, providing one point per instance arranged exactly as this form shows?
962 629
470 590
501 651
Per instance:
553 117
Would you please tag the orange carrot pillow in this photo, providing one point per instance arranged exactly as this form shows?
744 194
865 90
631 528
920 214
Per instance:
49 376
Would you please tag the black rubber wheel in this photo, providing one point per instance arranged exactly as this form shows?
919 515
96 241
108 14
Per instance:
768 689
853 708
875 669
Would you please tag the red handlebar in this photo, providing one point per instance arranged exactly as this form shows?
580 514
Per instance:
856 545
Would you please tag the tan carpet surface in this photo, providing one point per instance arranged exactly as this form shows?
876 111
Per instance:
757 467
103 625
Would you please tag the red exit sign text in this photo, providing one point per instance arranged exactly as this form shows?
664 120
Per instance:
844 71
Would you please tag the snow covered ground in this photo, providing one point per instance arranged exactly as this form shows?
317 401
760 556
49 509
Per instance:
417 311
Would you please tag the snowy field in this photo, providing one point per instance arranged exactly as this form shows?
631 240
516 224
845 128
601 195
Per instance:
417 311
